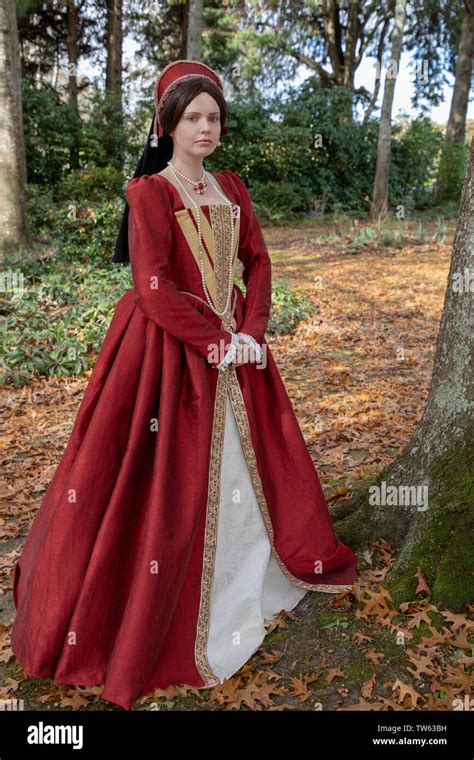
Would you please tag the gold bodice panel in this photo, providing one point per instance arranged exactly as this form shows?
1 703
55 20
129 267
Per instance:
216 240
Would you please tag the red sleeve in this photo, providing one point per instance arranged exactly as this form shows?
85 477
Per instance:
257 271
150 243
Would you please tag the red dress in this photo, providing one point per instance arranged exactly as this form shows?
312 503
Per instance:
186 502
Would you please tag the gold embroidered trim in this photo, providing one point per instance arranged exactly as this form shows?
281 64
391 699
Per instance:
240 411
219 253
210 536
221 221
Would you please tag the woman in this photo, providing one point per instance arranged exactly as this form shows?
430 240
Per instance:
186 509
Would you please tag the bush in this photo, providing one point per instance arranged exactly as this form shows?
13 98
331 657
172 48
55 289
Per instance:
51 130
275 150
452 170
57 326
413 163
95 185
288 308
79 231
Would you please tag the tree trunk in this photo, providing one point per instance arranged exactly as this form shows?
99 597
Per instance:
14 230
449 175
73 56
113 83
380 193
429 511
456 128
194 40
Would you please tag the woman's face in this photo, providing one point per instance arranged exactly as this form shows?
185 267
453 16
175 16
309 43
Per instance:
200 121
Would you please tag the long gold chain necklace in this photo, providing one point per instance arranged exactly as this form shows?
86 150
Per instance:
230 279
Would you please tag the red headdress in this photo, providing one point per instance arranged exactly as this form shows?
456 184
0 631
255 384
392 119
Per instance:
169 78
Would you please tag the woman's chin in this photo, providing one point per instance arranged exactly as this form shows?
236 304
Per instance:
204 148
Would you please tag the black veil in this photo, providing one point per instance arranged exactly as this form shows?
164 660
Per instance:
152 160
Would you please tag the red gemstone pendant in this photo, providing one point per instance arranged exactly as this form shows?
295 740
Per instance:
200 186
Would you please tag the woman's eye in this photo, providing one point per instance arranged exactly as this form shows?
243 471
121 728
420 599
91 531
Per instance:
213 118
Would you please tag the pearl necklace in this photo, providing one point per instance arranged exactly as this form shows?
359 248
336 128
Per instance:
200 184
230 282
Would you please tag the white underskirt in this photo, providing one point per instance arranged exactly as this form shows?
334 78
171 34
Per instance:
248 585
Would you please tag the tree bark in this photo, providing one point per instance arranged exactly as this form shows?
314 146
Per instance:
73 57
113 81
450 165
14 230
113 84
195 23
456 128
434 528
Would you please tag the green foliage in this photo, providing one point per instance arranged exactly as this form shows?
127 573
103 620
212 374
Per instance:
339 153
257 149
413 163
56 327
41 208
103 136
54 132
452 170
288 308
306 155
296 156
95 184
280 201
51 128
81 232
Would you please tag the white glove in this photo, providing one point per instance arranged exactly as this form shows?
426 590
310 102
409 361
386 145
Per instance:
250 340
231 353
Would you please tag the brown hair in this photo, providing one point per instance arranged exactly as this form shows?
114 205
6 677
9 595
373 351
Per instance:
177 100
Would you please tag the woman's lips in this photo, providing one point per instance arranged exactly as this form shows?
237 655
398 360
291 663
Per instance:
203 141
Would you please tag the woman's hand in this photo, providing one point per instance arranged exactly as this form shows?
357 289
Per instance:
245 353
244 349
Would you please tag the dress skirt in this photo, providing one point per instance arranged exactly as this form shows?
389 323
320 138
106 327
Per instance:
248 586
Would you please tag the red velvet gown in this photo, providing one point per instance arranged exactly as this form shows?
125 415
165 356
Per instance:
186 508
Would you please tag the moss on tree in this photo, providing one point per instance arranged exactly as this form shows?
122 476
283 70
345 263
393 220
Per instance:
439 541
